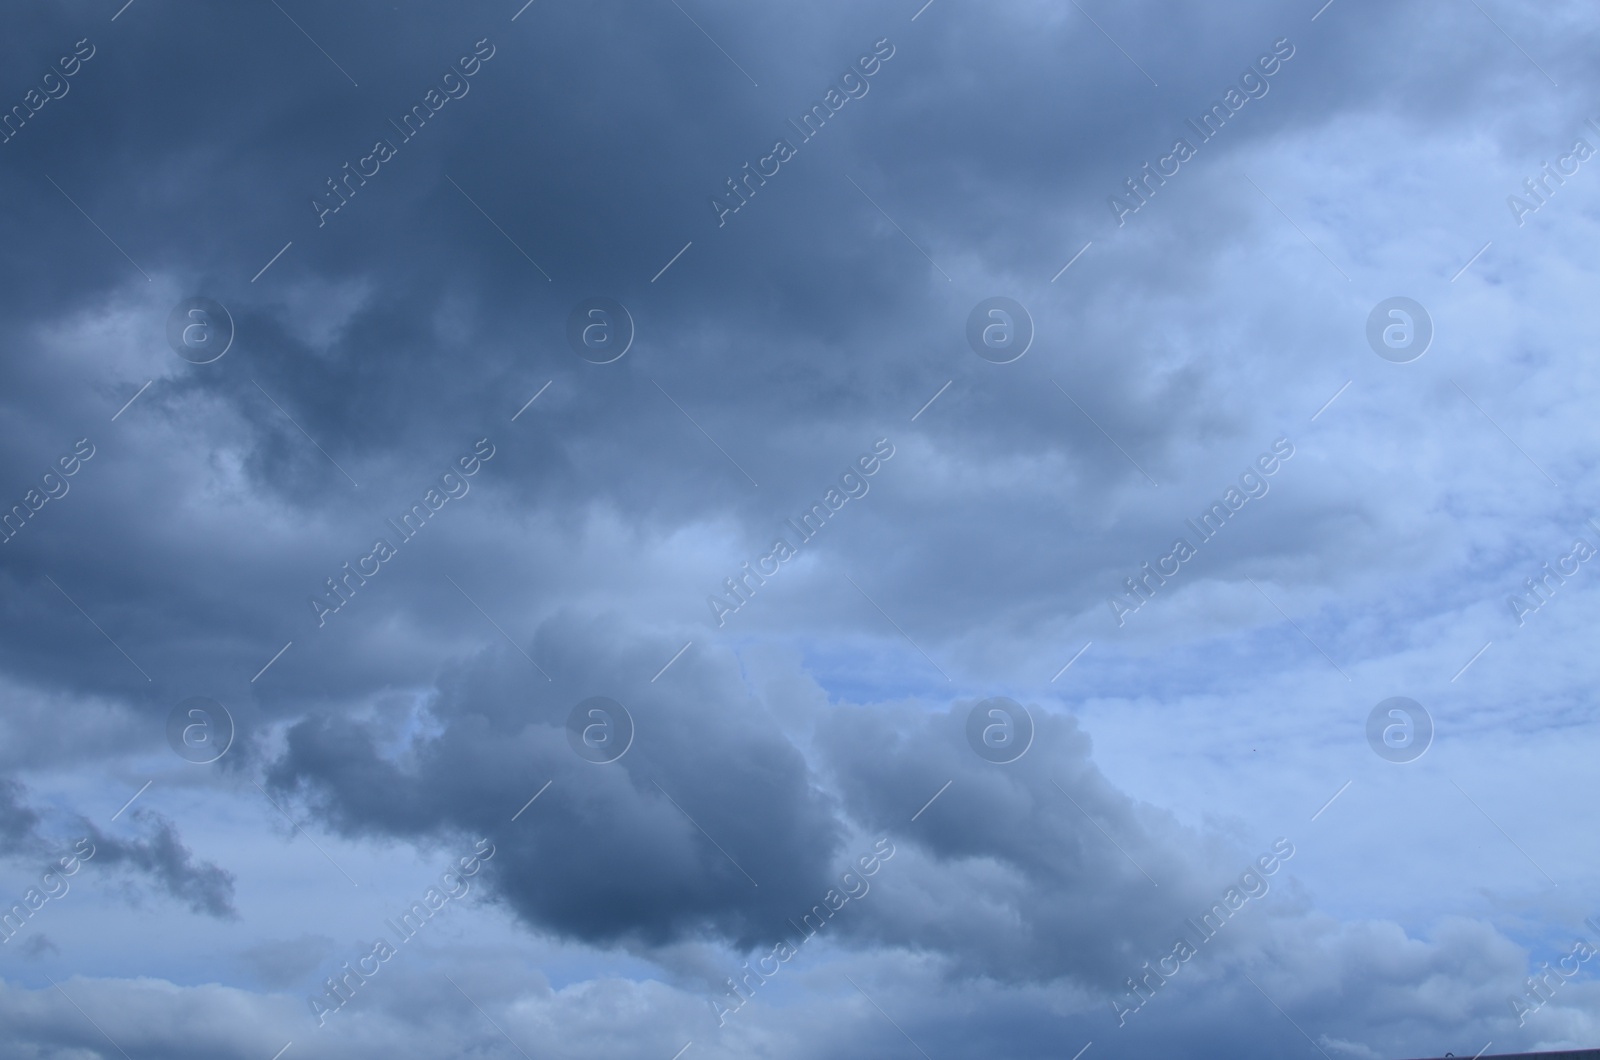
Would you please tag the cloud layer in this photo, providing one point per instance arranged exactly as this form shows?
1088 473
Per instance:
408 526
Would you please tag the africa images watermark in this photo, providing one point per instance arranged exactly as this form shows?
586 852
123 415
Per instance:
15 918
1252 884
1255 85
454 485
852 84
338 992
854 484
33 501
1254 486
33 100
1541 988
1542 588
1537 189
433 101
784 952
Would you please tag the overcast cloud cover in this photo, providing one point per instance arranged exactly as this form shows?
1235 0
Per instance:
802 728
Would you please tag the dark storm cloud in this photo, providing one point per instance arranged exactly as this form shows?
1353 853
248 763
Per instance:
610 853
1038 888
1031 888
389 338
392 361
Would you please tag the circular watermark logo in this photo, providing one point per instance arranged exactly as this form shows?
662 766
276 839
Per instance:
1000 730
200 730
600 330
999 330
1399 729
1399 329
600 730
199 330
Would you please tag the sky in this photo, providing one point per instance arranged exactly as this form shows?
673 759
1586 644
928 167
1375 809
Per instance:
692 530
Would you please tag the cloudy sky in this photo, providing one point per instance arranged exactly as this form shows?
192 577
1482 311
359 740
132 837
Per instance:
797 532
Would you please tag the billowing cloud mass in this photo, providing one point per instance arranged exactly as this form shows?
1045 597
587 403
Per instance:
917 529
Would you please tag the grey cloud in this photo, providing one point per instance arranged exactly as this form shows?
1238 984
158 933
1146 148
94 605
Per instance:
286 962
204 886
413 323
610 854
160 855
